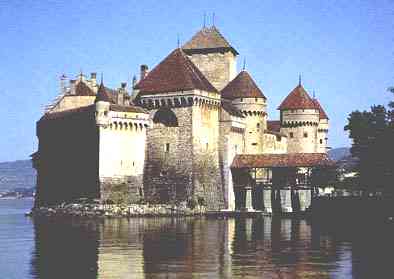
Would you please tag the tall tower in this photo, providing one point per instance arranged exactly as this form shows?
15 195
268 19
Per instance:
299 118
247 97
213 55
182 162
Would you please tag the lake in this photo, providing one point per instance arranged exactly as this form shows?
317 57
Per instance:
189 248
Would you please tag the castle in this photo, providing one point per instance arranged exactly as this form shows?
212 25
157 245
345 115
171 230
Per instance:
185 131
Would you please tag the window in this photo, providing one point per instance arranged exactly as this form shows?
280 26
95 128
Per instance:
242 99
167 148
254 144
255 99
305 134
105 113
258 125
291 135
278 138
321 141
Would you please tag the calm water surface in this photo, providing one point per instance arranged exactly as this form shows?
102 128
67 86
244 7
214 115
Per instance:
189 248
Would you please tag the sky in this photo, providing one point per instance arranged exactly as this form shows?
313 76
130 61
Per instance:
343 50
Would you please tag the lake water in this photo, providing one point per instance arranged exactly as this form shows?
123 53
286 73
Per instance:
189 248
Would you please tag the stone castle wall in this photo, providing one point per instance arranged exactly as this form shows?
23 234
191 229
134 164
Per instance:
231 142
122 153
219 67
67 168
169 153
206 169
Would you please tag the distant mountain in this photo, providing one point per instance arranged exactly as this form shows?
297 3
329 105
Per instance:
17 174
337 154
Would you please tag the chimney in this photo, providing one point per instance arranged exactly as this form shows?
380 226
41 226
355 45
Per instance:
93 79
144 71
121 94
72 86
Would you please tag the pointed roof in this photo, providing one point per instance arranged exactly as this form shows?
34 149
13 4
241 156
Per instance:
297 99
322 113
83 90
175 73
208 39
103 94
242 86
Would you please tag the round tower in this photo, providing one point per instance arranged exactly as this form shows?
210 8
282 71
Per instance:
103 103
322 129
299 118
250 100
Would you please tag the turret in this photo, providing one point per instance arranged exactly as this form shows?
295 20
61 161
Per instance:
103 102
299 118
322 129
213 55
250 100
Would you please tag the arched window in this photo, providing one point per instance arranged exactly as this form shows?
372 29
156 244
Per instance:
166 117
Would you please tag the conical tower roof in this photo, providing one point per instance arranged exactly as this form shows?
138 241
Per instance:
103 94
175 73
242 86
297 99
208 39
322 113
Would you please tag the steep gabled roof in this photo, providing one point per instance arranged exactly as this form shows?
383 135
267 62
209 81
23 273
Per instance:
297 99
208 39
322 113
83 90
242 86
104 95
175 73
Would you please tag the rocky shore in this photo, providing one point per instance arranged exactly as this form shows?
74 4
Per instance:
111 210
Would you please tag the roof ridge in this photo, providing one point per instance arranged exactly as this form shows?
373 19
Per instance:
174 73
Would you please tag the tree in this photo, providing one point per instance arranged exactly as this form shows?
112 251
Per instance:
372 133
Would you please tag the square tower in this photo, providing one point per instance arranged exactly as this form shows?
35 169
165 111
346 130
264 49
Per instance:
213 55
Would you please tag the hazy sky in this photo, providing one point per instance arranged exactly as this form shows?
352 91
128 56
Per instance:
343 49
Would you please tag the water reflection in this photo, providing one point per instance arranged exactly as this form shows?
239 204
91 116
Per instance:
199 248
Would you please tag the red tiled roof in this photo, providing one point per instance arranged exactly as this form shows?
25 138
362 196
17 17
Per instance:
175 73
297 99
273 125
242 86
83 90
281 160
322 113
208 39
